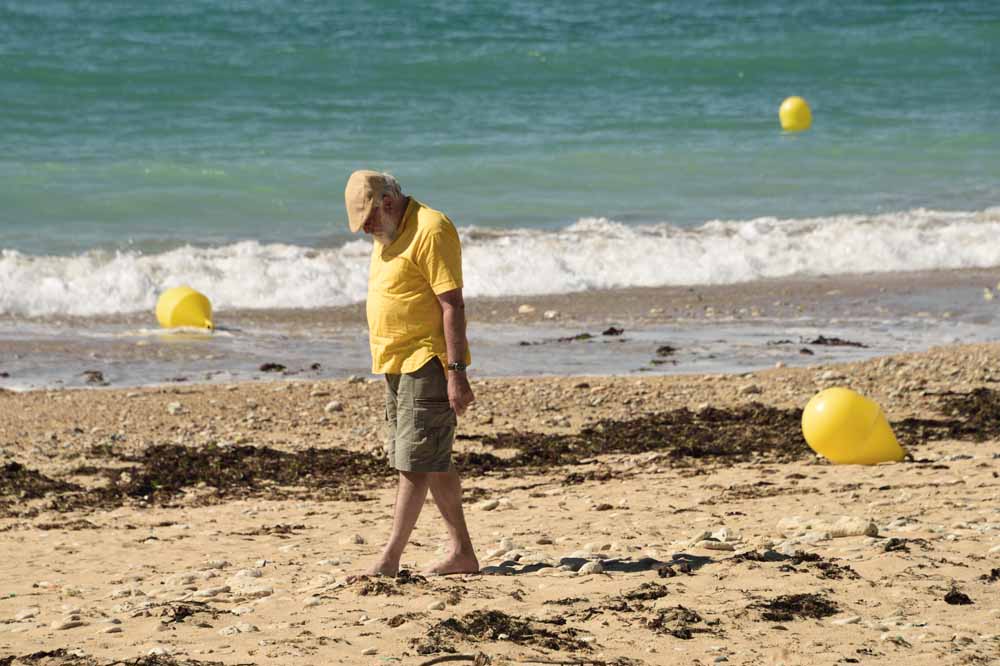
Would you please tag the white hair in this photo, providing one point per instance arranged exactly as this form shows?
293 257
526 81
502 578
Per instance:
392 187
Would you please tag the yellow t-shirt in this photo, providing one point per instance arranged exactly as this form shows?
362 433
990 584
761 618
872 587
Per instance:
405 324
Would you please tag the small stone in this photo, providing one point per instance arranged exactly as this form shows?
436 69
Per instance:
333 406
26 613
526 309
550 314
355 379
67 623
319 394
158 651
751 389
174 408
589 568
355 539
436 606
488 505
852 619
248 573
215 564
543 540
212 591
113 629
710 544
241 628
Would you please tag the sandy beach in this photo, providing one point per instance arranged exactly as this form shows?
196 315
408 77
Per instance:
619 520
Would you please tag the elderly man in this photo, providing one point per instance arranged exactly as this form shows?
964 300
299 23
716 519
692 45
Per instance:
416 324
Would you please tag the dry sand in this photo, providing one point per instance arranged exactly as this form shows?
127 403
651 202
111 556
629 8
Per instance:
230 524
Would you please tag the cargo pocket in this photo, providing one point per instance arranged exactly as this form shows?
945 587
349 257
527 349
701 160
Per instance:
434 422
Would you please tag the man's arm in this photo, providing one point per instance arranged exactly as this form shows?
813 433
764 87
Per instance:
453 311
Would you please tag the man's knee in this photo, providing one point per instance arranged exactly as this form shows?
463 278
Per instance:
415 478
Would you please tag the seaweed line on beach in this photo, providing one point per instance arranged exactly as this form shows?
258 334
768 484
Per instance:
163 473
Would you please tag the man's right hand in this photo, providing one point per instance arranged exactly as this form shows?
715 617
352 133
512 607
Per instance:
460 394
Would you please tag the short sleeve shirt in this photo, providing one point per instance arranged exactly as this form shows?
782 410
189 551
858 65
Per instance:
405 323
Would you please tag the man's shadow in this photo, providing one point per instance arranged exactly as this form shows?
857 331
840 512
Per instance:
610 565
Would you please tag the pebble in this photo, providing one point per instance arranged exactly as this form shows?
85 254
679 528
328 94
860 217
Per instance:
67 623
212 591
840 622
113 629
355 379
591 568
751 389
241 628
254 592
248 573
158 651
174 408
356 539
215 564
488 505
26 613
709 544
848 526
525 309
550 314
725 534
995 549
319 394
369 652
436 606
544 540
333 406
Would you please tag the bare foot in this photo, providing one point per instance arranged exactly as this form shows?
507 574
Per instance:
384 568
454 564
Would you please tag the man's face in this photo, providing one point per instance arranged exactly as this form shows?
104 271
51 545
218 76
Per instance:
380 223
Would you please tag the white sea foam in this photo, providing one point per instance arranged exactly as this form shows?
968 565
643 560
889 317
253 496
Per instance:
590 254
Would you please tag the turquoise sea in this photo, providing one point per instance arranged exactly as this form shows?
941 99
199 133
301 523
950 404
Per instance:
145 144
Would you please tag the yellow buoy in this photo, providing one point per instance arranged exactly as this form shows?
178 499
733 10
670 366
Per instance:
795 115
183 306
849 429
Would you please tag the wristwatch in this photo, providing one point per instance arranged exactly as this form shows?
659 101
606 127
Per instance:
457 367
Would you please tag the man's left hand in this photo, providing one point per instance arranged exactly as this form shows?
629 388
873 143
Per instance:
459 392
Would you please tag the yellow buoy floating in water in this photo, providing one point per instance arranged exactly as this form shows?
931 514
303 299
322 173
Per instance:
183 306
849 429
795 115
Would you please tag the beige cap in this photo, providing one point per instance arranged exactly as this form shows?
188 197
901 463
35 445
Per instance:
363 194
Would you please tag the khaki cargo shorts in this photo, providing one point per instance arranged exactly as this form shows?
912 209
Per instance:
419 419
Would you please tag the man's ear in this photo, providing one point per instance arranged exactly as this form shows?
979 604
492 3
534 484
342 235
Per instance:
387 203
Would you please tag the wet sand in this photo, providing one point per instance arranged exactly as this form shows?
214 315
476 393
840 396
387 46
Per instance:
231 523
716 328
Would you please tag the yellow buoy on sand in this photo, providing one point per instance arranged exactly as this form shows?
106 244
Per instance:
795 115
849 429
183 306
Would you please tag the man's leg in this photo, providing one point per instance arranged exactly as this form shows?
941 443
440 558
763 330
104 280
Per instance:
446 488
410 496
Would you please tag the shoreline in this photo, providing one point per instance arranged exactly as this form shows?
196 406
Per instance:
724 328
